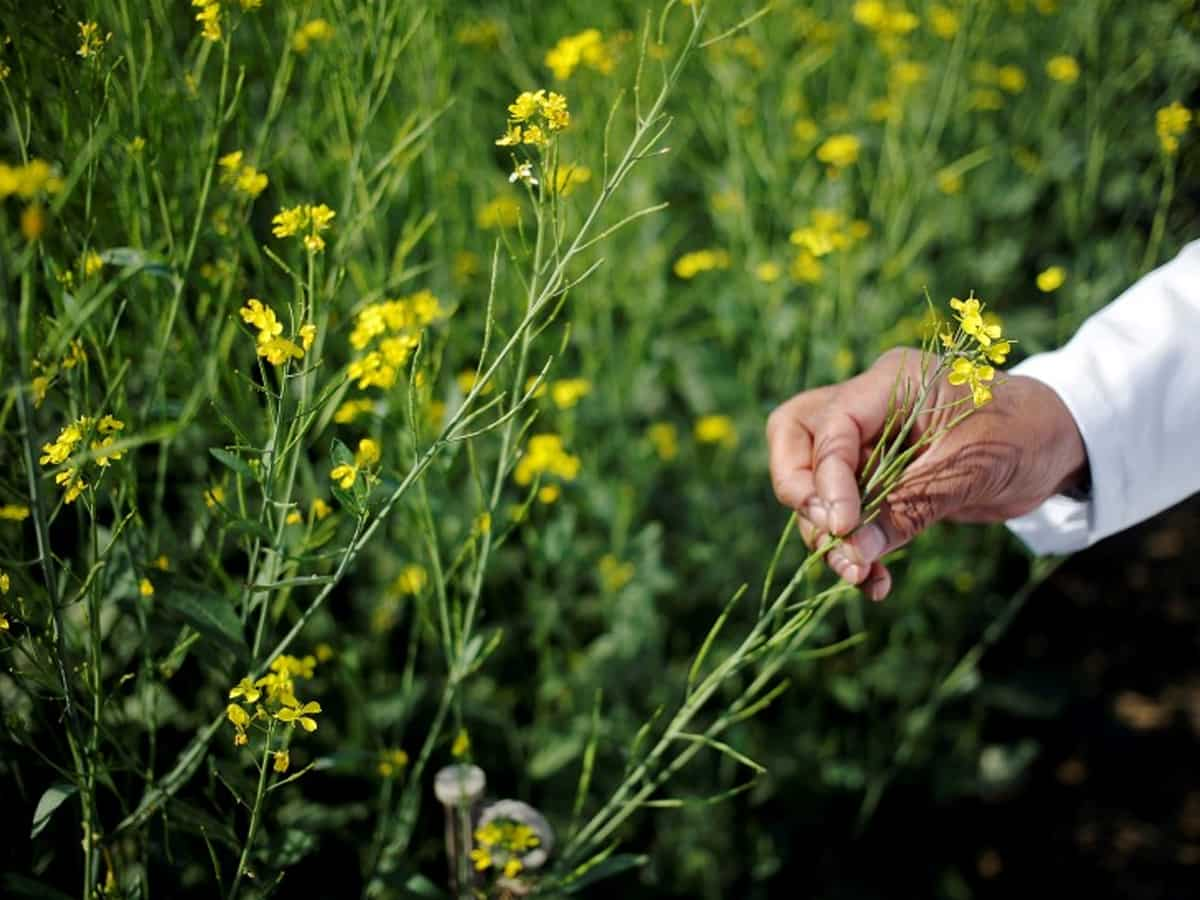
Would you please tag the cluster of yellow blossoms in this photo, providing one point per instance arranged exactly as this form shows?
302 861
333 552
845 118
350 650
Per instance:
4 586
245 178
64 446
313 218
209 16
274 700
1170 124
975 346
91 40
28 180
828 231
14 512
270 344
389 331
692 264
545 455
365 458
839 151
311 32
588 48
500 844
533 117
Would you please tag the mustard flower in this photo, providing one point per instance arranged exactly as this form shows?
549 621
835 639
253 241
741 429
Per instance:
1063 68
92 41
146 587
246 690
311 32
716 429
411 580
692 264
301 714
209 18
351 410
545 455
282 759
1170 124
1051 279
14 512
462 744
569 391
392 762
500 212
587 48
839 151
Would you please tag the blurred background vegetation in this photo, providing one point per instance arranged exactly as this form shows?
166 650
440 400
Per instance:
1001 724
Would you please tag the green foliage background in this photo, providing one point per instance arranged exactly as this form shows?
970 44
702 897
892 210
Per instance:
392 122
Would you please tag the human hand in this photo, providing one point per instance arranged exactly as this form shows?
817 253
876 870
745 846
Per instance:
1001 461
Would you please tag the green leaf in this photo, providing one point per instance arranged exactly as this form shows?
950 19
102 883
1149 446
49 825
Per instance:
212 616
607 868
51 800
232 461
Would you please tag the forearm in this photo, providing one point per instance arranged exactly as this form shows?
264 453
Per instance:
1131 380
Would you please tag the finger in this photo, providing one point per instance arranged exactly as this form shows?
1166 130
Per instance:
878 583
789 446
859 415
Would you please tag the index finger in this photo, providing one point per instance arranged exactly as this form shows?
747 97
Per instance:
789 449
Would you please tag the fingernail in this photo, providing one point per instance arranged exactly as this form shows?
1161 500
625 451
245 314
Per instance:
817 514
867 544
839 517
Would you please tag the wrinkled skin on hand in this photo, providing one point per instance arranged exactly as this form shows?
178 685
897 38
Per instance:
1001 461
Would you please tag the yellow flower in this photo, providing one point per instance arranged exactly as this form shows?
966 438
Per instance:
345 476
307 334
324 652
534 135
310 32
5 583
1051 279
944 21
462 744
1063 68
294 518
162 563
768 271
214 496
392 762
33 222
278 350
839 151
91 263
544 454
716 429
975 375
482 523
283 759
1011 79
245 689
4 626
262 317
1171 123
209 18
500 212
806 268
237 715
14 512
569 391
27 181
302 714
567 178
527 105
351 410
411 580
805 131
289 221
586 48
664 437
146 587
320 509
481 858
91 40
549 493
998 352
692 264
368 453
511 136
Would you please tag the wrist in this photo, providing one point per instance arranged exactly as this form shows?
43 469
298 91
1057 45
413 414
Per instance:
1062 446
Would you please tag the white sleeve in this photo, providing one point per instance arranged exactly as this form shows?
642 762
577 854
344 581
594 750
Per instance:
1131 378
